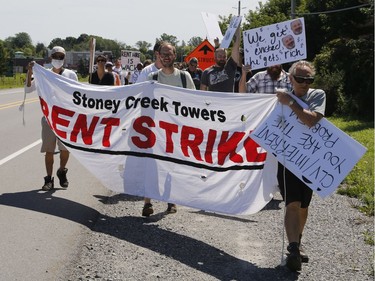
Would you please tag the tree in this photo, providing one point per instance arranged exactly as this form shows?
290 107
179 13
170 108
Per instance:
195 41
4 59
169 38
41 50
143 46
21 40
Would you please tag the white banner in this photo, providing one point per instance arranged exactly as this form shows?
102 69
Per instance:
172 144
321 156
275 44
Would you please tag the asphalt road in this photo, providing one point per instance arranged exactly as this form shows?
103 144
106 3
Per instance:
40 231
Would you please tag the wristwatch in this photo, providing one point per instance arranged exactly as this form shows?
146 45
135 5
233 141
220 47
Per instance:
291 102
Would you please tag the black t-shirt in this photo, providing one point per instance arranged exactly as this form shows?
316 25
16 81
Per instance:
108 79
196 76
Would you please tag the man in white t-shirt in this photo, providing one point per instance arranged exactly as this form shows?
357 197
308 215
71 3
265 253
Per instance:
143 76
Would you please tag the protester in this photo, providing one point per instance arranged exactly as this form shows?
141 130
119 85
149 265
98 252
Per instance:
168 75
220 77
49 139
136 73
296 194
100 76
265 82
195 72
109 68
117 68
147 62
143 76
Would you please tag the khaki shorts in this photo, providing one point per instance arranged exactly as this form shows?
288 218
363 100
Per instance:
49 139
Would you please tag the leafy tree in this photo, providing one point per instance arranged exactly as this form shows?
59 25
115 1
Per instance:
4 58
41 50
195 41
169 38
20 40
143 46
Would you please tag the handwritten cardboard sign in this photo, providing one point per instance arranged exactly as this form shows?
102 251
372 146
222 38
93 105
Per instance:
275 44
234 24
211 23
321 156
130 59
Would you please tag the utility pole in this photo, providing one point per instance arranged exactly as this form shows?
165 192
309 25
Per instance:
239 7
293 9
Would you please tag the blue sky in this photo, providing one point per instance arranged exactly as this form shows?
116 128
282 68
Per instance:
122 20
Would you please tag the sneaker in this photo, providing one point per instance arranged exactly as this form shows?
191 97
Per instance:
172 208
61 174
48 183
293 260
147 210
304 256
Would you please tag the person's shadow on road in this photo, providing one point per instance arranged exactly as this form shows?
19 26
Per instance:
189 251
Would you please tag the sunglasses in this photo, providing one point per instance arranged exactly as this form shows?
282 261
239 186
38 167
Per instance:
58 57
302 79
101 61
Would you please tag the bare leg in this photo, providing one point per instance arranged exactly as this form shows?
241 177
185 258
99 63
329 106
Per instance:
293 223
48 161
64 157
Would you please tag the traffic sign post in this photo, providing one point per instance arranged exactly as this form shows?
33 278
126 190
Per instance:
205 53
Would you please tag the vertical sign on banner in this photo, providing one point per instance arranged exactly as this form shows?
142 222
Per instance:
92 55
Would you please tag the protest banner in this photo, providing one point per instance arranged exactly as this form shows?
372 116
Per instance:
130 59
275 44
235 22
171 144
321 156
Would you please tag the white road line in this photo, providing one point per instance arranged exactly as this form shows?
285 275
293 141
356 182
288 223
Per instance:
15 154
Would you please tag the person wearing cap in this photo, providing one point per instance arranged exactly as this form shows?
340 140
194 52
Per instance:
195 72
49 139
136 73
109 68
100 76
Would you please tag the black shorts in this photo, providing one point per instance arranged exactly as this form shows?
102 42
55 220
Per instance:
296 190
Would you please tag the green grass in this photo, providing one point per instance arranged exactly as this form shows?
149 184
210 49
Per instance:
360 181
15 81
18 81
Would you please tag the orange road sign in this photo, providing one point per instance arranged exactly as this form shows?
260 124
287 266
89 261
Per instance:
205 54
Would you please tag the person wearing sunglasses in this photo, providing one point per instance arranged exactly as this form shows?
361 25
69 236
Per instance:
100 76
49 139
296 194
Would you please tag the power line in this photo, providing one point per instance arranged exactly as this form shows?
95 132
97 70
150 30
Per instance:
334 11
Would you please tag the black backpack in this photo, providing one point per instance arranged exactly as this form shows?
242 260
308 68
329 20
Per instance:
182 75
